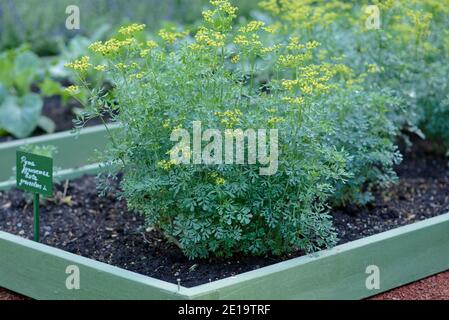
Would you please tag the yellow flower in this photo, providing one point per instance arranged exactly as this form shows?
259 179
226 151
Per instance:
131 29
143 53
109 47
210 37
271 29
208 15
235 58
275 120
151 44
217 179
80 65
121 66
137 76
225 6
241 40
196 46
294 44
271 49
170 35
373 68
294 100
72 90
289 84
166 124
230 118
166 164
100 67
312 45
252 26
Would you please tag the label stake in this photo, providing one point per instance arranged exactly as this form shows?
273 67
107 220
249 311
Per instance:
36 217
34 173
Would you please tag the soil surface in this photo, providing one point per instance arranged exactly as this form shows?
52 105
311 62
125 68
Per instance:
79 221
61 115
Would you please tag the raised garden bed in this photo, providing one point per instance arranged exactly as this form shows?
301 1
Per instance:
99 228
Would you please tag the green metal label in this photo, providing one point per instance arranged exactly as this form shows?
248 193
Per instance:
34 173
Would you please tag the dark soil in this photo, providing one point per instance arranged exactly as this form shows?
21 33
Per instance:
61 115
101 227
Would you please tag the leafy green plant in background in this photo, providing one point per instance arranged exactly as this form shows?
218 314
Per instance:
42 23
20 108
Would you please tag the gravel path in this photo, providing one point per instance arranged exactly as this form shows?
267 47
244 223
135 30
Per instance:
431 288
8 295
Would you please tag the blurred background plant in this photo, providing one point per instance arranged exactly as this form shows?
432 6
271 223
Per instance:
42 23
407 54
20 108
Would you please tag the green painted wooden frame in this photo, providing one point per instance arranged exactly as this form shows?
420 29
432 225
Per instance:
403 255
75 156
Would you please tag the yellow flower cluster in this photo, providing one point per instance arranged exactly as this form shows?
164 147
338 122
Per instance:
226 7
290 84
109 47
252 26
230 118
72 90
372 68
208 15
272 29
293 60
121 66
311 79
310 45
421 21
241 40
166 164
137 76
271 48
150 45
217 179
131 29
144 52
80 65
294 100
170 35
275 120
384 4
248 40
294 44
210 38
220 181
100 67
235 58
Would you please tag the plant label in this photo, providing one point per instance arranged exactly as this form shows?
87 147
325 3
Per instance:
34 173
